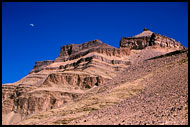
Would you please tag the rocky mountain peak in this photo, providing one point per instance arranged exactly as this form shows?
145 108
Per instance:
148 38
145 29
145 33
92 75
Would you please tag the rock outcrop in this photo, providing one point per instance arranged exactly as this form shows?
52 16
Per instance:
84 53
82 81
74 51
79 70
149 38
55 91
39 65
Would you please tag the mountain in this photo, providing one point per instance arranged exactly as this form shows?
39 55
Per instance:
86 80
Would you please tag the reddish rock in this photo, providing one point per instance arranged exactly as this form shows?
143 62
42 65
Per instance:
82 70
149 38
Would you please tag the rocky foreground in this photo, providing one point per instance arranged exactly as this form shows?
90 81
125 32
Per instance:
162 100
142 82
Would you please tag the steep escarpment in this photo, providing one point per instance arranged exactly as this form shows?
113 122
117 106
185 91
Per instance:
55 91
78 81
53 83
149 38
41 64
74 51
85 77
139 93
73 54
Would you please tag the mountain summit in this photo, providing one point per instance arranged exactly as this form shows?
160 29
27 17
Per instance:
89 77
145 33
149 38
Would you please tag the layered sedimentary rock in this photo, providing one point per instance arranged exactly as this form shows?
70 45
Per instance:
53 83
79 69
78 51
41 64
163 100
74 51
50 94
149 38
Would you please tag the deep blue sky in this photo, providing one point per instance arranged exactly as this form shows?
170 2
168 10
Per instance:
58 24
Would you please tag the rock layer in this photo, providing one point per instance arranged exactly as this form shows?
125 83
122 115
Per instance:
79 71
149 38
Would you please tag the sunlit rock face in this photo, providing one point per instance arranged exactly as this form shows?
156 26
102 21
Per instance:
149 38
79 70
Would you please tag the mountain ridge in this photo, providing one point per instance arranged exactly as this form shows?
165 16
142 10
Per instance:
81 71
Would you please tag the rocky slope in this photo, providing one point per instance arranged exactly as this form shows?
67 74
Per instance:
163 99
91 76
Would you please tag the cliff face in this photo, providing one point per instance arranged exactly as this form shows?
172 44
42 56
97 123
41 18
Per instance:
165 41
75 48
50 94
78 70
77 52
74 51
148 38
39 65
53 83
